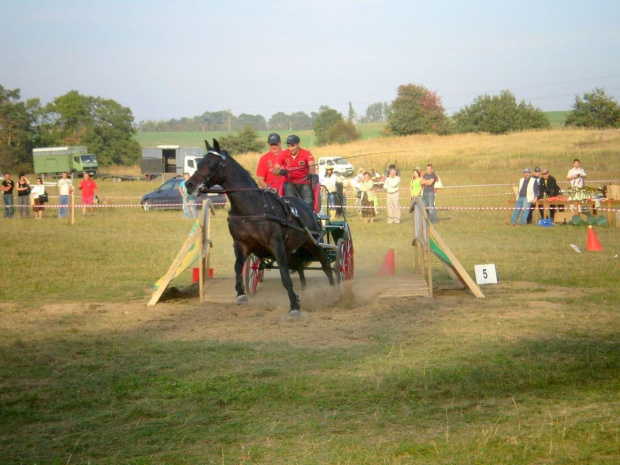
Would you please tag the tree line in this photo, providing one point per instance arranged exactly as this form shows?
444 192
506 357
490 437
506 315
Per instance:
103 125
107 128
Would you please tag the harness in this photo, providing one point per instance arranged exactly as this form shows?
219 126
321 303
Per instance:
292 220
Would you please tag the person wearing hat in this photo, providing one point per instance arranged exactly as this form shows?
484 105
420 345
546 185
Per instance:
329 182
548 189
264 171
536 178
296 166
527 194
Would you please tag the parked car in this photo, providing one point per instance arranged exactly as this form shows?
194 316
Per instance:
341 166
167 196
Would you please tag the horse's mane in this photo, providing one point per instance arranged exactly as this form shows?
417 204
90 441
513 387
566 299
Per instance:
246 174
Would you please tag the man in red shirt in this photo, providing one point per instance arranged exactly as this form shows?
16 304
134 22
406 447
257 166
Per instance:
297 166
89 191
264 170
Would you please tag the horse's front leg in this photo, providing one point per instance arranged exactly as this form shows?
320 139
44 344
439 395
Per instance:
279 253
240 258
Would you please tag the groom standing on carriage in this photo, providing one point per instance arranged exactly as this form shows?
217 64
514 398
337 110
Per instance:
297 166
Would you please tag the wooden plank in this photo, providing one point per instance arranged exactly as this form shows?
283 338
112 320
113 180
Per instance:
462 273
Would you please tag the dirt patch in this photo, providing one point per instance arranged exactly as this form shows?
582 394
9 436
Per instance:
328 319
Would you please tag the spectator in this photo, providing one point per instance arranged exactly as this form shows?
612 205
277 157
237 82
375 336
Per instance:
89 191
189 201
65 188
367 198
37 191
536 178
23 196
428 192
264 170
548 189
576 174
297 165
356 183
527 195
392 187
416 183
329 181
7 197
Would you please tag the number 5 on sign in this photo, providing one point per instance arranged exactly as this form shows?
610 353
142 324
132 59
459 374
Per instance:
486 274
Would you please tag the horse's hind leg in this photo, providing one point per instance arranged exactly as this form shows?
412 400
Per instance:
302 277
239 287
325 265
279 253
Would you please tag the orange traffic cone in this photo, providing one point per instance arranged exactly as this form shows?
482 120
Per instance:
593 245
388 267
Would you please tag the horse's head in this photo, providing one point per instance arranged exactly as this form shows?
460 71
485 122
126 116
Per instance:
210 169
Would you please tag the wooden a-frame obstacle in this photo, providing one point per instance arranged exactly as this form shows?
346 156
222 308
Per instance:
197 246
426 240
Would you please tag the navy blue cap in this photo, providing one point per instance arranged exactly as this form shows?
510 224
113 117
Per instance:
273 138
293 140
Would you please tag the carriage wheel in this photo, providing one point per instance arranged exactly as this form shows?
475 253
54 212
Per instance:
341 262
251 273
350 260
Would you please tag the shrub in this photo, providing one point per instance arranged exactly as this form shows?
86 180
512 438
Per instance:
595 110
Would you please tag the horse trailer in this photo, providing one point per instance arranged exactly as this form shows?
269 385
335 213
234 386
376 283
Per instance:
172 159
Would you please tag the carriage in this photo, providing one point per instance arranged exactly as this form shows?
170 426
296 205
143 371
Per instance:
335 238
273 232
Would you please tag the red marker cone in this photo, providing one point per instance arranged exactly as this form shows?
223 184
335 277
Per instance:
593 245
388 267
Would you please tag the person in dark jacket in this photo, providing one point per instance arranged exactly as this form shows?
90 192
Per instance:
548 188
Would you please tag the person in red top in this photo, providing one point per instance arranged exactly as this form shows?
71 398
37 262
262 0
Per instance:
297 166
89 191
264 170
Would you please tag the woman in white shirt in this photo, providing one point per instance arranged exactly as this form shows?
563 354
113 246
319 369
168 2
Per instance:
392 187
36 192
367 199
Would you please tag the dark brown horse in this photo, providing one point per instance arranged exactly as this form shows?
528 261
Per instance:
263 224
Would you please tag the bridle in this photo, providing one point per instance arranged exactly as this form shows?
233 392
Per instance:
203 186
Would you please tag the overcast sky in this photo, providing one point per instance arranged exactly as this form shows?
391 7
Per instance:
166 59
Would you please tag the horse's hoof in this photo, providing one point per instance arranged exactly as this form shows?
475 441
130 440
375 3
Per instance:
241 299
294 313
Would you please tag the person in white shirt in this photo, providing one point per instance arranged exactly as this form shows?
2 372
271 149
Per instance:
329 182
392 187
36 192
65 188
576 174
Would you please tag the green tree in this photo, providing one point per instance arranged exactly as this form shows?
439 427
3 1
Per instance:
341 133
327 118
256 122
375 113
300 120
17 135
499 114
595 110
247 140
279 121
104 126
417 110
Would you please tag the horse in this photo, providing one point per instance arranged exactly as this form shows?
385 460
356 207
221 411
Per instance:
262 223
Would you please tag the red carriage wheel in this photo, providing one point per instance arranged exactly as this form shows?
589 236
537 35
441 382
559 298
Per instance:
251 273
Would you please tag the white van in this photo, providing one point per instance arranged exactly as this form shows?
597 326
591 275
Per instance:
341 166
190 163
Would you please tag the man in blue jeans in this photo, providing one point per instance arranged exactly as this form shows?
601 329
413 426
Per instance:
65 187
527 195
428 192
7 189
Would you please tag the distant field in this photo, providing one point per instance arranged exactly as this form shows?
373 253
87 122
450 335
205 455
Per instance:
196 139
557 118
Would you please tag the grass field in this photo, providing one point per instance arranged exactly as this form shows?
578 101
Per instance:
530 374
